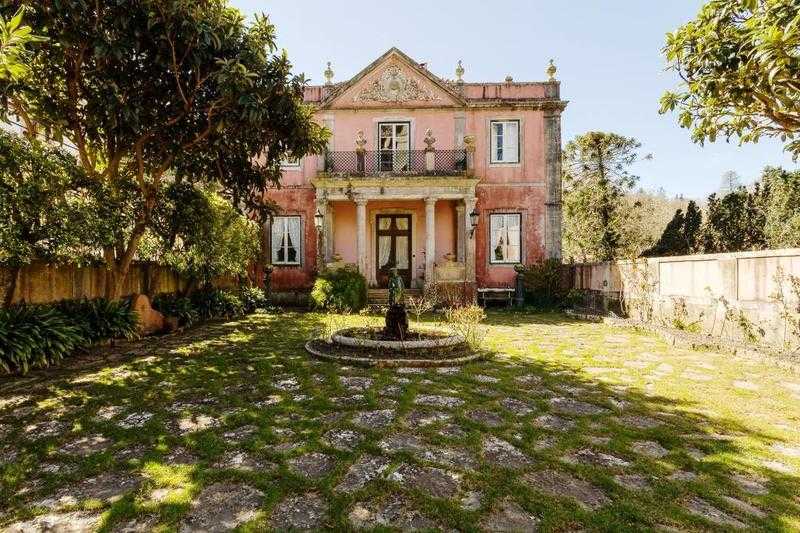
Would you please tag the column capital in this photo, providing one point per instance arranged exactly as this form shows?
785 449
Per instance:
460 208
360 201
430 200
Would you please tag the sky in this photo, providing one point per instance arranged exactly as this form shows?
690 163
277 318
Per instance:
608 55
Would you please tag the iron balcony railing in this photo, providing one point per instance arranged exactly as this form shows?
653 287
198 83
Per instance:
396 162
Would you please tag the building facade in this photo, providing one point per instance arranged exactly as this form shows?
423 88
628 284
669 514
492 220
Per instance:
448 181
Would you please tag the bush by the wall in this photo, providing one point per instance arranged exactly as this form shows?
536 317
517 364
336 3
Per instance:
544 285
101 319
36 336
343 289
216 303
252 298
176 306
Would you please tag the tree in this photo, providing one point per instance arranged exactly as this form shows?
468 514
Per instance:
782 208
14 40
729 182
681 235
199 234
48 208
736 221
739 62
599 222
150 89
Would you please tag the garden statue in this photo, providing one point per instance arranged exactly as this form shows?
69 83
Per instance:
396 316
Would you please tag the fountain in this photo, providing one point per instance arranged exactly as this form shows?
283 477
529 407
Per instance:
395 345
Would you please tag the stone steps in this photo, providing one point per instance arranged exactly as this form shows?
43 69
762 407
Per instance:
381 296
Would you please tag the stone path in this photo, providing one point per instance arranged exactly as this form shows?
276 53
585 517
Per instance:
226 427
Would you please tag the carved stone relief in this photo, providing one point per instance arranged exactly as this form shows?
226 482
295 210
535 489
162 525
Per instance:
394 85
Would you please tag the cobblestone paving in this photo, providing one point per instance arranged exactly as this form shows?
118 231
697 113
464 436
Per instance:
569 426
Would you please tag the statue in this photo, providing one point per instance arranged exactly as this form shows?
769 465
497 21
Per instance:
395 287
396 316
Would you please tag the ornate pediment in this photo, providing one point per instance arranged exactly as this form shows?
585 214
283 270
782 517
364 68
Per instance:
393 80
394 85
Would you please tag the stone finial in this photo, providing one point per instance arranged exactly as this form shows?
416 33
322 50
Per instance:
459 72
361 141
328 75
429 140
509 79
469 143
551 71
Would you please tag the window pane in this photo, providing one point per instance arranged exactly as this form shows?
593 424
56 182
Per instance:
384 223
277 237
401 252
505 238
511 142
402 223
384 249
286 240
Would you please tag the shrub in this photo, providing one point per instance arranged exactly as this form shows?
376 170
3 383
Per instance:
36 336
253 298
465 321
177 306
216 303
543 285
343 289
101 319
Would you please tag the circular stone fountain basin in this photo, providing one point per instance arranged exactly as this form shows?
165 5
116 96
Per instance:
369 347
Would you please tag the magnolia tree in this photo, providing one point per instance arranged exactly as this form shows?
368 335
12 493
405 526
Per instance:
154 91
739 64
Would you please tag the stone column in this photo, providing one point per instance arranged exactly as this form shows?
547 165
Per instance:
469 239
552 217
361 234
461 233
430 239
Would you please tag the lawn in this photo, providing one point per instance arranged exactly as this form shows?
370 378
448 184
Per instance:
567 426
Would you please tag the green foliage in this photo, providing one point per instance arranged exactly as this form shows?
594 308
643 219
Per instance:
253 298
343 289
14 40
681 236
782 208
36 336
735 222
177 306
147 91
739 62
48 208
543 284
217 303
200 234
599 224
101 319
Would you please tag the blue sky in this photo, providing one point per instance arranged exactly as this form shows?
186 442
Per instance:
608 56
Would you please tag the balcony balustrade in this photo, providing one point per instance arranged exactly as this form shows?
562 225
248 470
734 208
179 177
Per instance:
397 163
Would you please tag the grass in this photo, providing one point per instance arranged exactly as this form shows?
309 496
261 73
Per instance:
718 417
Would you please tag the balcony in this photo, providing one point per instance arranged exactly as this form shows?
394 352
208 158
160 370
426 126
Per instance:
396 163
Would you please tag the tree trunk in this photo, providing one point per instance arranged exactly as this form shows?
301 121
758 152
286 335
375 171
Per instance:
13 276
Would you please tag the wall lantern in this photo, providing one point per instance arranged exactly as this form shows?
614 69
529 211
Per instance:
473 220
318 220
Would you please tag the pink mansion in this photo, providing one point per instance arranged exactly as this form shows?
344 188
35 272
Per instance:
449 181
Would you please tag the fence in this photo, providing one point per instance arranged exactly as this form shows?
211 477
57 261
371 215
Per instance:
704 287
41 282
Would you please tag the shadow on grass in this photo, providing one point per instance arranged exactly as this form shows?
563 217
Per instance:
255 373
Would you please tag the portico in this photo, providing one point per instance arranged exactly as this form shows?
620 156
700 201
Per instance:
421 225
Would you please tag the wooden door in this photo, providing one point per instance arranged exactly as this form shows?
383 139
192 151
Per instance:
393 248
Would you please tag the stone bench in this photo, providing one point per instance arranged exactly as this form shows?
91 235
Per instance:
496 295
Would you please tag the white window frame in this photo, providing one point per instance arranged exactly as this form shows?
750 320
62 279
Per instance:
492 153
288 163
491 243
298 245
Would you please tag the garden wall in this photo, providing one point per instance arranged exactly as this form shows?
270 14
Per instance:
42 282
705 284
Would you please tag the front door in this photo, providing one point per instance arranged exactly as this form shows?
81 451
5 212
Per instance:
393 248
394 146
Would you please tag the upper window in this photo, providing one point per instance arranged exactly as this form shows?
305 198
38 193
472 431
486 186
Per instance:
286 239
505 141
505 239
